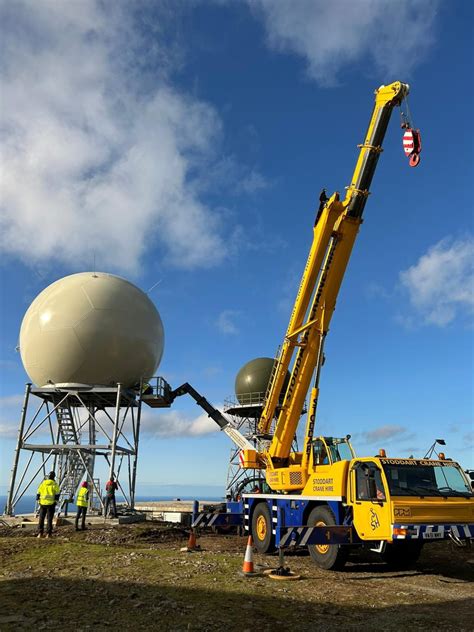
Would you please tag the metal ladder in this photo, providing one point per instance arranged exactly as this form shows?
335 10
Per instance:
95 502
276 366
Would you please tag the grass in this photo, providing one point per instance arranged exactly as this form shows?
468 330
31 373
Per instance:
133 583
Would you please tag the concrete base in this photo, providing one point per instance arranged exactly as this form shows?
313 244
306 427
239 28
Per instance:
177 511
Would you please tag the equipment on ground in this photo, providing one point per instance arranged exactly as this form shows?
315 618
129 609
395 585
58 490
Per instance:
324 497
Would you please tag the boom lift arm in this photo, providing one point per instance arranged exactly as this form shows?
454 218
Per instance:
224 424
334 235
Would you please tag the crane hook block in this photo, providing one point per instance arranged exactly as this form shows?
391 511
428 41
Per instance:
412 145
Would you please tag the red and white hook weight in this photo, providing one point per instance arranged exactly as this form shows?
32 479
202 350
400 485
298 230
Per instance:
412 145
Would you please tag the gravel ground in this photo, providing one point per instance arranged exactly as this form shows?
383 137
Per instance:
136 577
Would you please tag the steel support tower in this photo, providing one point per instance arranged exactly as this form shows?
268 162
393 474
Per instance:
245 417
70 429
245 414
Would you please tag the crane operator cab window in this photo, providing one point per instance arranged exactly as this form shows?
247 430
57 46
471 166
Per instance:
369 485
327 450
320 453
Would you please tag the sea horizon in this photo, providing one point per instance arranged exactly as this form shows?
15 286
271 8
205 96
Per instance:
26 504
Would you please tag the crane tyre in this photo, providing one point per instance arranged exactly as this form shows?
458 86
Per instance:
262 529
327 556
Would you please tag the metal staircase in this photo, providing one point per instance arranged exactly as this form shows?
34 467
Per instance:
72 467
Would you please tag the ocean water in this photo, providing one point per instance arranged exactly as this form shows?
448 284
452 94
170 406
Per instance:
24 505
27 503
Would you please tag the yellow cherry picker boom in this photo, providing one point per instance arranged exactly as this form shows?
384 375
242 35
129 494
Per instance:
324 497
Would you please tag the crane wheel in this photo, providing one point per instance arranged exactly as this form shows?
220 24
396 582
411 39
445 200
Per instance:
262 529
327 556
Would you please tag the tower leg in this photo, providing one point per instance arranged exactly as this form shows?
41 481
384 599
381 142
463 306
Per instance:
9 506
135 456
115 433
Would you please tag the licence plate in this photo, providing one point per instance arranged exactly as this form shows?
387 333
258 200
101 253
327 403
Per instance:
432 535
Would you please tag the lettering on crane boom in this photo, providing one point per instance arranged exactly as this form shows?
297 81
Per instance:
418 462
323 485
296 370
312 419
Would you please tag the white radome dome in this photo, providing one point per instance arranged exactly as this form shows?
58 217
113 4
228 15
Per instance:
91 328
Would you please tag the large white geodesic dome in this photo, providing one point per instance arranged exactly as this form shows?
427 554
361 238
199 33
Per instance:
91 328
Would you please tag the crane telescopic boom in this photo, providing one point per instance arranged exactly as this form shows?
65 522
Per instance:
334 234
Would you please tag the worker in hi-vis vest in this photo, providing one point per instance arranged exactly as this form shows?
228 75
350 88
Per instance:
47 496
82 503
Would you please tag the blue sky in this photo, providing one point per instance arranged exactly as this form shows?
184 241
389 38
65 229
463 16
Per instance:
187 143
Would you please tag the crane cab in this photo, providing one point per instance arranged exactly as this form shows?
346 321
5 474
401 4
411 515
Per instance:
329 450
328 465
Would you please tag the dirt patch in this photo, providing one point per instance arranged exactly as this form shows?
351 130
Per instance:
135 577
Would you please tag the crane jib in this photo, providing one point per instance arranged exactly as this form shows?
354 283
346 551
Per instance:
372 150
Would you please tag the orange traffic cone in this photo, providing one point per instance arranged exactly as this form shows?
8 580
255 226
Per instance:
248 569
248 559
192 545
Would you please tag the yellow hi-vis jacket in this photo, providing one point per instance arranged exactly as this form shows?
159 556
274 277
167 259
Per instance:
47 491
82 497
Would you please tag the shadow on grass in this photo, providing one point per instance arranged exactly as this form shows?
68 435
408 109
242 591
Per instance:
80 604
443 559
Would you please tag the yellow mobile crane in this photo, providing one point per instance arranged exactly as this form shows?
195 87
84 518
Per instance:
324 497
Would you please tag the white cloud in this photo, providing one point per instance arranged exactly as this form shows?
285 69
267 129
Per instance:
330 36
8 429
100 154
10 408
440 285
11 401
254 182
225 322
387 432
176 424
